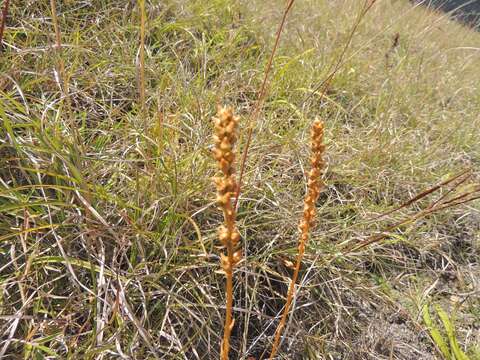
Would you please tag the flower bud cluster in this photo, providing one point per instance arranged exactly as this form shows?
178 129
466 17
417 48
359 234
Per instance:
314 184
225 125
314 187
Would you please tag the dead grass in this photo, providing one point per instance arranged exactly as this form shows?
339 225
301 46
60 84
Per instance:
107 239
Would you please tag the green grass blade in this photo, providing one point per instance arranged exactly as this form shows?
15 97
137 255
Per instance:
447 324
435 333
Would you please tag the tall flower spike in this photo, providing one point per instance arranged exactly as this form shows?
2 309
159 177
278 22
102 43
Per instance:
314 186
225 125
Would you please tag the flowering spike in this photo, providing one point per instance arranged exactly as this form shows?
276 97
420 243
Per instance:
225 124
314 186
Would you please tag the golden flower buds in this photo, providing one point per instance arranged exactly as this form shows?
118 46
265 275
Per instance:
225 124
314 185
314 176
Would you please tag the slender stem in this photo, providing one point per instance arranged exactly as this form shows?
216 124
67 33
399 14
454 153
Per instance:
229 216
313 190
58 46
62 74
4 21
227 329
142 57
53 7
288 303
261 99
325 84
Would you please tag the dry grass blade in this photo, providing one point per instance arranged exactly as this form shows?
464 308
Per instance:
63 78
314 187
225 138
457 180
463 176
444 202
53 7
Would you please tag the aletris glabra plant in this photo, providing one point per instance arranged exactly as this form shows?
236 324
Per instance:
314 186
225 126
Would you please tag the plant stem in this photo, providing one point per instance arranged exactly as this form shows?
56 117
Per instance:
142 58
260 100
4 21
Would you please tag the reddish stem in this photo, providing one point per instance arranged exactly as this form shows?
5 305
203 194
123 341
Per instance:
4 21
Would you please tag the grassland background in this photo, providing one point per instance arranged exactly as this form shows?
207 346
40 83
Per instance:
107 217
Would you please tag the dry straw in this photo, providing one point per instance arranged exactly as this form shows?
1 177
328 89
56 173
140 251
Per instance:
225 138
315 185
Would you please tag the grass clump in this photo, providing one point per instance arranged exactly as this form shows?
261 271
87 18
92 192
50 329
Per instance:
108 236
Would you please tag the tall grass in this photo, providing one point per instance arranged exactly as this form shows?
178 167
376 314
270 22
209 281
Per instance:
63 78
112 251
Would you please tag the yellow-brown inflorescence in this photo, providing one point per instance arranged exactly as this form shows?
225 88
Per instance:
314 186
225 137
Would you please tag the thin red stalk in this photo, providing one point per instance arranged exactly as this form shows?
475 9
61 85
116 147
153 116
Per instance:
410 202
456 201
436 206
53 7
58 49
428 192
4 21
444 196
261 99
325 84
62 75
313 190
142 58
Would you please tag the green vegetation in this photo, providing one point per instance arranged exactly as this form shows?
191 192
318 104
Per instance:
108 222
451 351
